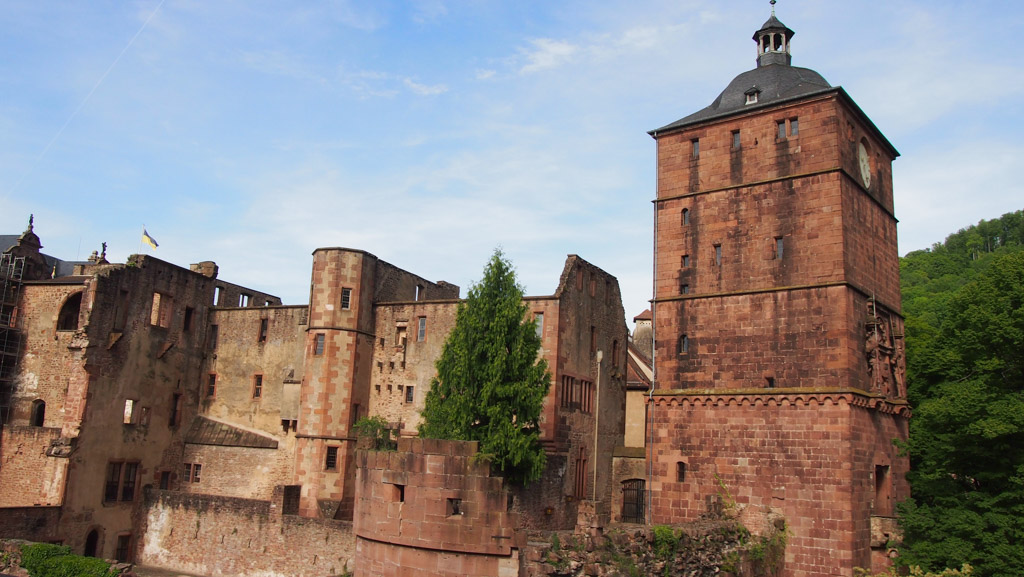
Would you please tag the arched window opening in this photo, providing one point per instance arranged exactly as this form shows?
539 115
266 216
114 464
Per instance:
38 413
683 345
91 544
67 320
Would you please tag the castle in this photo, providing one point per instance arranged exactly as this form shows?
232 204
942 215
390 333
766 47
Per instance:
161 414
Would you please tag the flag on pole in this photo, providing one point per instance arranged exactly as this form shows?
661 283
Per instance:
148 239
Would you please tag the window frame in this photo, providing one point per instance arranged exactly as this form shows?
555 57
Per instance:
257 386
346 298
421 329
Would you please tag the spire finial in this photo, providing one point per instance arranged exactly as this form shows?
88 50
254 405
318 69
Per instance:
31 219
772 2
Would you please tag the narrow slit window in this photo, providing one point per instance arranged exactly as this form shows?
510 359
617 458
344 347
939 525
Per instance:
318 346
735 139
409 394
262 336
346 299
684 289
782 129
257 386
685 216
680 471
695 147
683 345
538 318
794 127
685 261
421 330
778 247
718 254
211 385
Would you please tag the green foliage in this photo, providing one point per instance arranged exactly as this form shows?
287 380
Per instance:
490 387
44 560
964 303
964 571
665 541
376 429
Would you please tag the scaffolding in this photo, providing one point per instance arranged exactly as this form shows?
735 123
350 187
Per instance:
11 270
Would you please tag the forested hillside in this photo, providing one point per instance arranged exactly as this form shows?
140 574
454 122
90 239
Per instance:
963 301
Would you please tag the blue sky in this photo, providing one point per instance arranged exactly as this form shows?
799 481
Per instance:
429 132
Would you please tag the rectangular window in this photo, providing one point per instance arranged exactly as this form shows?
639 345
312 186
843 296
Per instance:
718 255
128 478
217 291
211 343
175 410
684 289
211 385
121 481
778 247
794 127
110 489
454 506
695 147
680 471
165 480
160 313
735 139
257 386
685 216
186 324
129 412
244 299
346 299
419 291
331 462
421 330
262 336
769 382
400 337
409 394
538 318
123 553
782 130
192 472
318 344
685 261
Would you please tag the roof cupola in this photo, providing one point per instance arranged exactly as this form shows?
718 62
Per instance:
773 42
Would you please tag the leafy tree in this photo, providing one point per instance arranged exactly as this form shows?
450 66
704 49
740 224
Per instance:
967 435
490 386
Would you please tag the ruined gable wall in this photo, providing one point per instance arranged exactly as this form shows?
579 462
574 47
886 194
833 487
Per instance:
28 477
123 355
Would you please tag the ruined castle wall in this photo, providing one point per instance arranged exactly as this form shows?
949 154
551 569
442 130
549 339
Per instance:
243 472
221 536
40 524
429 509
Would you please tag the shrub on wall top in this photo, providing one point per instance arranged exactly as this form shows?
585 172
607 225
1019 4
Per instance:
44 560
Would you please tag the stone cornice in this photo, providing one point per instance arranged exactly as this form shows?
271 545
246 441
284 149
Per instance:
780 398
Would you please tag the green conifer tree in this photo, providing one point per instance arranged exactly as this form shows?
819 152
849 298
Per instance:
490 385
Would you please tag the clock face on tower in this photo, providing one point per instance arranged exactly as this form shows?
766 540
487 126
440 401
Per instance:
865 165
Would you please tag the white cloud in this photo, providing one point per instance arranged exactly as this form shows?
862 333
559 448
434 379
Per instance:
423 89
484 74
547 53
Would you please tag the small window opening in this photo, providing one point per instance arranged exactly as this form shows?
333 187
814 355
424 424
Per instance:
165 480
686 216
175 410
680 472
244 299
538 318
454 507
419 291
160 313
409 394
683 345
186 324
421 329
718 255
770 382
782 129
400 493
318 344
794 127
695 147
593 340
684 289
735 139
778 247
751 98
129 412
211 385
38 413
123 553
262 336
257 386
211 343
685 261
346 299
331 461
217 291
292 495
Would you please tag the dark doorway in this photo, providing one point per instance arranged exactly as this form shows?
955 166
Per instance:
91 541
633 501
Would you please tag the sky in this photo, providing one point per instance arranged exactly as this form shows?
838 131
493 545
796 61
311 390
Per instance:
430 132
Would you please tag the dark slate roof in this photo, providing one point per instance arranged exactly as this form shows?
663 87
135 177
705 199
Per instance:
776 83
64 267
773 23
209 432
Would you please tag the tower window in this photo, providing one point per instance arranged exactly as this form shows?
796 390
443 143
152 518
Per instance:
778 247
685 261
685 216
346 299
539 319
736 139
683 345
257 386
718 254
262 337
318 344
680 471
684 289
421 329
794 126
331 460
410 394
769 382
695 146
782 129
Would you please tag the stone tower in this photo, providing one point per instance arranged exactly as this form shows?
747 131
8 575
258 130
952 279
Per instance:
778 336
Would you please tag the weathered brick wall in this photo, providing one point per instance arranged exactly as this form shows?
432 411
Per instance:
429 509
29 478
30 523
239 356
398 364
222 536
810 455
628 463
394 284
243 472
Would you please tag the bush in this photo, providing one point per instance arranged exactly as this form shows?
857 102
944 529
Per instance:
44 560
376 429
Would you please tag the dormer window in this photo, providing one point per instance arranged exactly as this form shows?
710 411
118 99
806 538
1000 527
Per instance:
752 94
